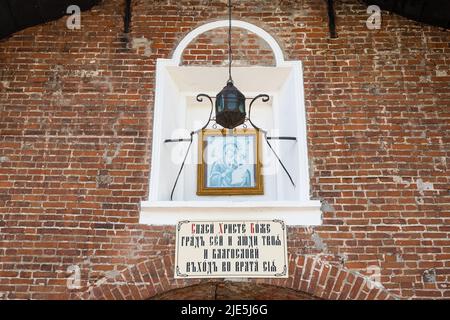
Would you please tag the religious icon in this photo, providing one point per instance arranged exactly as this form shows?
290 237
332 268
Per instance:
229 163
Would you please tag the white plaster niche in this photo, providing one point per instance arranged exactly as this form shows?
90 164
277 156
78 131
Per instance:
177 113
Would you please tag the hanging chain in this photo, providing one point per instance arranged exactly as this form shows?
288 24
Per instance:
230 55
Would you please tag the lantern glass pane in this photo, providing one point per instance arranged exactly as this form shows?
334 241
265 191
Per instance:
231 103
219 104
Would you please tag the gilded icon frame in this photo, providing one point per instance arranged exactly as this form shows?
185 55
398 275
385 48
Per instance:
208 178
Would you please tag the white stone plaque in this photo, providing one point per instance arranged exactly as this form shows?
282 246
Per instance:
231 249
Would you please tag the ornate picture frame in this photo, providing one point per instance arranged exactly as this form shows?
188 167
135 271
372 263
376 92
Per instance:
229 163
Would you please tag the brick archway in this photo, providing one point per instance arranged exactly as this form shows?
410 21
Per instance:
307 274
233 290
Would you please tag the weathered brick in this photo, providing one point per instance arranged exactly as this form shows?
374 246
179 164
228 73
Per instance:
76 117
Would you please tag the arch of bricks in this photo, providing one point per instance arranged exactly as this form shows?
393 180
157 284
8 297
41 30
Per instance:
307 274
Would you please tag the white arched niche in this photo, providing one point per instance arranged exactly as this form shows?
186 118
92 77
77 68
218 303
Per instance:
176 113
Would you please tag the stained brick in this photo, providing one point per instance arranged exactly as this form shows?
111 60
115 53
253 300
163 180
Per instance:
377 109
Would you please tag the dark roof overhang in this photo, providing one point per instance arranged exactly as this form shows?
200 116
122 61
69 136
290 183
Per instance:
433 12
16 15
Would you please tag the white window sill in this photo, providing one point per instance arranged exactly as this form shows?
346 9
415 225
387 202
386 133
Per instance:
306 213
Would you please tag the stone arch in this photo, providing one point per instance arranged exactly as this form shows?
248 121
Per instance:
308 274
273 44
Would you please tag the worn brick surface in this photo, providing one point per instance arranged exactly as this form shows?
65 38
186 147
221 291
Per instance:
75 135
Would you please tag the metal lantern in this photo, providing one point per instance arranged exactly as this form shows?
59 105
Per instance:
230 102
230 107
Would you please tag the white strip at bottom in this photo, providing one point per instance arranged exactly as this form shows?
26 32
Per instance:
170 212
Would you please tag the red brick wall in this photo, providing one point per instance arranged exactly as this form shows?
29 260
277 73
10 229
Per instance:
211 48
75 134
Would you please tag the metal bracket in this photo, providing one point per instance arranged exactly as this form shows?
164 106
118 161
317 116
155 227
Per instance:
331 19
282 138
176 140
127 17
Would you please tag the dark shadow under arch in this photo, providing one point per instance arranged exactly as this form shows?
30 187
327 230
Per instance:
233 290
307 274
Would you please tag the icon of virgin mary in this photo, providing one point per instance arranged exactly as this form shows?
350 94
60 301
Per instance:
231 170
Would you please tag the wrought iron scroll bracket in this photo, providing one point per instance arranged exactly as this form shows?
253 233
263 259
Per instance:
199 99
265 98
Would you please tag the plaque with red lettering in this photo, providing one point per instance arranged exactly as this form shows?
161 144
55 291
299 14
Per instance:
231 249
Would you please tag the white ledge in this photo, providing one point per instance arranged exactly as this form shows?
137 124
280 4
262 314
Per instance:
295 213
